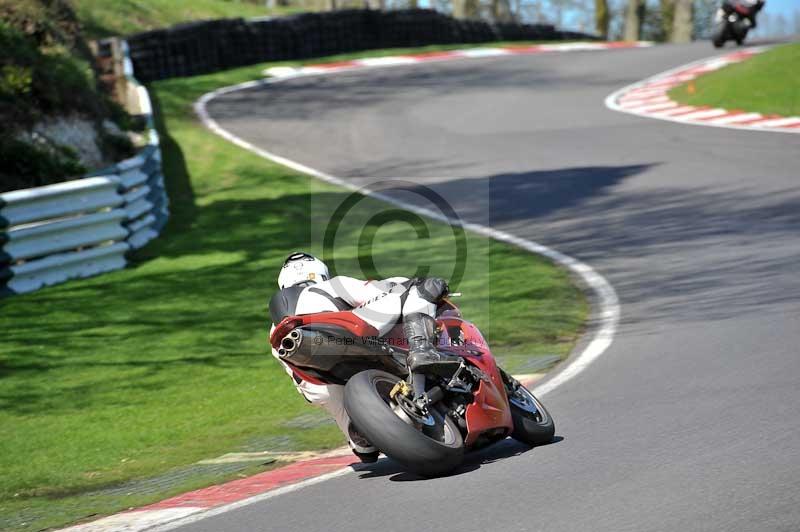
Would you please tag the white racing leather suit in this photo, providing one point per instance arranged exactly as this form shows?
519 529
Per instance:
379 303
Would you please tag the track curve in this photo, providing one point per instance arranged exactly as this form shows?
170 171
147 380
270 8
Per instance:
690 421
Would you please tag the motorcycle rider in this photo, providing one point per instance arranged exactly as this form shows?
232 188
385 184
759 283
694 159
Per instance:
752 8
306 288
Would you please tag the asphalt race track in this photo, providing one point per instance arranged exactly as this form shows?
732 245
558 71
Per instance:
691 419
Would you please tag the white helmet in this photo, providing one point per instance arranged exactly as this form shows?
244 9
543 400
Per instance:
301 267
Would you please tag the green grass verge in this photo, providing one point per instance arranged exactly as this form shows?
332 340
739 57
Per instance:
767 83
134 373
104 18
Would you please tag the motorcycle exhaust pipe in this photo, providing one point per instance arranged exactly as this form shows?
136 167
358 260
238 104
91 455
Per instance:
324 351
290 343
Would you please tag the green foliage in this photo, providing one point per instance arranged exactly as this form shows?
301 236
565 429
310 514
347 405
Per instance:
17 55
118 147
767 83
65 84
34 83
15 81
124 119
39 81
46 22
45 72
104 18
27 165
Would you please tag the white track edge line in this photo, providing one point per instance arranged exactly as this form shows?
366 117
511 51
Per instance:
607 301
611 100
450 55
211 512
607 314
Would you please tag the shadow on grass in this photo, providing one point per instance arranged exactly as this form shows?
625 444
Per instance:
178 181
200 311
203 303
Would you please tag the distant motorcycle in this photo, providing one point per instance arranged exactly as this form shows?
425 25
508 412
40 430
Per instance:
733 20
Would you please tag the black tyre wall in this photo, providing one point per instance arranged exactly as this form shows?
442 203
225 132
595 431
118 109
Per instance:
214 45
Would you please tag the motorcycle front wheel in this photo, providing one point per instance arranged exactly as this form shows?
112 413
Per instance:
532 422
427 446
718 34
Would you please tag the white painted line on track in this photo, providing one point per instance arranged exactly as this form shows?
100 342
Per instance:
778 122
607 313
651 98
732 119
706 113
211 512
575 46
385 61
647 98
648 92
312 70
629 102
632 99
675 111
436 56
653 107
136 520
713 65
606 318
482 52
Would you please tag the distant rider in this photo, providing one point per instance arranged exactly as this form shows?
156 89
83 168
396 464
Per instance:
306 288
751 8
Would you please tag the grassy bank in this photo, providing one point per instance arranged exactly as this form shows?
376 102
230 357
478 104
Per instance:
104 18
767 83
138 372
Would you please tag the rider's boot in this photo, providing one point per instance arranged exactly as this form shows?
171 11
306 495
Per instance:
361 446
420 331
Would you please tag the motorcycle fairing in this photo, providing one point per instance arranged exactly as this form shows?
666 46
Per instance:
489 411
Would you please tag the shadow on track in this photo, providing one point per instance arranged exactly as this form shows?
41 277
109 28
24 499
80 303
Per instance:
591 213
502 450
526 195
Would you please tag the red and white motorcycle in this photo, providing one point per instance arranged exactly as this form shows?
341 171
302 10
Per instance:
424 421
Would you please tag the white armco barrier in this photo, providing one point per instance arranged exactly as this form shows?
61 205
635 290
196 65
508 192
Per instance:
80 228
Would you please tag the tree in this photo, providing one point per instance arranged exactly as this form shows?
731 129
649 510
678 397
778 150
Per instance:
501 11
465 8
634 15
667 14
682 21
601 18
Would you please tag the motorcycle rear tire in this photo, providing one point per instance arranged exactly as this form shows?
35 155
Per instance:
367 403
